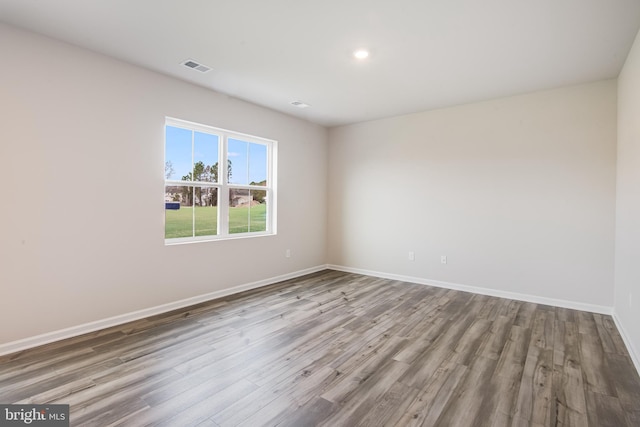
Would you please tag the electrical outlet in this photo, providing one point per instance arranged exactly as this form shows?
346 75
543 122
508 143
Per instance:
412 256
287 253
443 259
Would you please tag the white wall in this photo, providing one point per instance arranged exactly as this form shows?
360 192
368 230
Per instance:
627 267
81 146
518 193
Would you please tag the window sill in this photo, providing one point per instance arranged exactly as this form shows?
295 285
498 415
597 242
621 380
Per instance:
205 239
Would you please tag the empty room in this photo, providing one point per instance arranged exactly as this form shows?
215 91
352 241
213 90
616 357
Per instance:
293 213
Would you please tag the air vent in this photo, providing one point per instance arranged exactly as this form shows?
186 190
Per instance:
300 104
190 63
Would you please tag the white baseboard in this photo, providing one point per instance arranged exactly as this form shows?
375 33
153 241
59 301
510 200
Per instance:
600 309
74 331
635 355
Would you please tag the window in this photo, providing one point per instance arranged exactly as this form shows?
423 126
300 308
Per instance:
218 184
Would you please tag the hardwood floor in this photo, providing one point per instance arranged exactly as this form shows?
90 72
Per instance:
339 349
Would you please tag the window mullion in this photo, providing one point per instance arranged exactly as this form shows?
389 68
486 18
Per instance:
223 201
193 189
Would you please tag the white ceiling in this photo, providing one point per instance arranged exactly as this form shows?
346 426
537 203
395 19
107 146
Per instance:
425 54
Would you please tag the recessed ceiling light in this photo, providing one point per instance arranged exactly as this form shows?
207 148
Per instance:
361 54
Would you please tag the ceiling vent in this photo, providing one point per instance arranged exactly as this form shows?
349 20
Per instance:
190 63
300 104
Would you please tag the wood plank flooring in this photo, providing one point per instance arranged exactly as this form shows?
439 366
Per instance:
339 349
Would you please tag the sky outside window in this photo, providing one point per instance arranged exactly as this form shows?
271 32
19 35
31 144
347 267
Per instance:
179 152
248 162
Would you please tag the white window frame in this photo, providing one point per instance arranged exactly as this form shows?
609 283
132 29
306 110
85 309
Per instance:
223 185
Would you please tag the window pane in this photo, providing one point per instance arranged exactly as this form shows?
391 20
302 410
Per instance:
238 152
248 162
206 211
205 157
257 164
239 202
178 211
258 211
247 211
178 158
